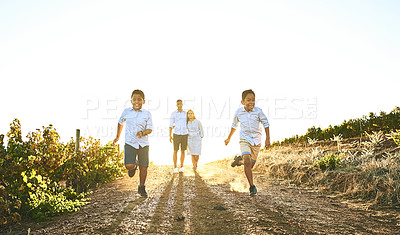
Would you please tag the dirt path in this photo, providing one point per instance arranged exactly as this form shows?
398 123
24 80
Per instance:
187 203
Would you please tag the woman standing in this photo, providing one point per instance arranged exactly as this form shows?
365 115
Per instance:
196 133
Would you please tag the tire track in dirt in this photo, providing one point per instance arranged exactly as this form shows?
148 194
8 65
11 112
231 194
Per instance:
207 220
158 222
179 216
189 195
140 218
187 207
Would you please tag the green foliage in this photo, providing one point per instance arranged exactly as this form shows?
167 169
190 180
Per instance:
47 198
92 165
395 136
6 207
330 161
31 172
385 122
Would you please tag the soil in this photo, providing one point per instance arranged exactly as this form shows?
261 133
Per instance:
213 200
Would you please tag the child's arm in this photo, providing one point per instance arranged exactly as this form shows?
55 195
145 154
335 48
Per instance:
148 128
119 130
267 141
264 120
229 136
233 128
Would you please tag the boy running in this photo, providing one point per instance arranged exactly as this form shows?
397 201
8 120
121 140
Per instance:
138 125
250 118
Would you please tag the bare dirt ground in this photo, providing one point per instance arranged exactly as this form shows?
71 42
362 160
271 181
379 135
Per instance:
188 203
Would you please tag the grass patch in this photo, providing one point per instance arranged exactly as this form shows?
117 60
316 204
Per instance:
368 171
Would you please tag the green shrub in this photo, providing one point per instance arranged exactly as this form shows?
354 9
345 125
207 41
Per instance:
30 172
395 136
330 161
47 198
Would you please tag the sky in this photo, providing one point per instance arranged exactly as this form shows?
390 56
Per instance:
74 64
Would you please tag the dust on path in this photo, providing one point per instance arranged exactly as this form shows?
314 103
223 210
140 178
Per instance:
186 203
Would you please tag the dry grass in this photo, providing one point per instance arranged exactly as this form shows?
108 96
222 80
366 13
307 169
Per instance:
368 169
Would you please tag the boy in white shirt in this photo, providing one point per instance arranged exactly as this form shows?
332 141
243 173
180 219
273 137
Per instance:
178 126
139 125
250 118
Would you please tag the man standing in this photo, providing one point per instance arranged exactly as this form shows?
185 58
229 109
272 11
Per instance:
178 126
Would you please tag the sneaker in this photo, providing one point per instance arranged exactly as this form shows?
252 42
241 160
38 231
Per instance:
253 191
142 191
176 170
131 173
181 169
236 160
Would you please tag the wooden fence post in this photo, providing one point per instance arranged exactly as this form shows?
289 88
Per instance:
78 136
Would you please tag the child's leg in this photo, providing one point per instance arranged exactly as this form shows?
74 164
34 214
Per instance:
248 168
130 157
130 167
143 162
255 150
249 163
142 174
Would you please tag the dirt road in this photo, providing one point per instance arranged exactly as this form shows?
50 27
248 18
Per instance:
193 203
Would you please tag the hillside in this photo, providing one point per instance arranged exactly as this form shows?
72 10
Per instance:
365 169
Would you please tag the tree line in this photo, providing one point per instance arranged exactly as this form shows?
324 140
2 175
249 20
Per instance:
358 127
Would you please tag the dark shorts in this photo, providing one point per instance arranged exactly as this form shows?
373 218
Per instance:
137 156
180 140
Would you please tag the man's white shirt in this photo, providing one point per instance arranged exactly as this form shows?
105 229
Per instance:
178 122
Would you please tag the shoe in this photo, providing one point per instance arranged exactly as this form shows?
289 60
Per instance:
142 191
181 169
131 173
253 191
236 160
176 170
